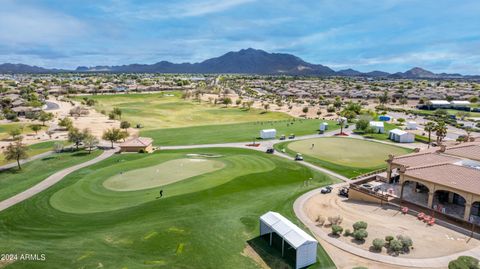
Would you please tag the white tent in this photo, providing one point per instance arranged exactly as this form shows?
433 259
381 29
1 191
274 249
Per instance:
401 136
268 133
378 126
411 125
323 126
305 245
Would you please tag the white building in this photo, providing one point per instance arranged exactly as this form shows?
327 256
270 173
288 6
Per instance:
401 136
440 104
411 125
323 126
378 126
268 133
460 104
276 228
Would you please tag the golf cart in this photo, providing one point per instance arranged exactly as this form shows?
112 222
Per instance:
270 151
325 190
282 137
298 157
291 136
343 192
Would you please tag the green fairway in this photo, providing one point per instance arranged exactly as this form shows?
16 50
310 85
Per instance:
240 132
346 156
169 110
34 149
13 181
162 174
203 221
7 127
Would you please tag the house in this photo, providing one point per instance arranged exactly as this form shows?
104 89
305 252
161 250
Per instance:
378 126
137 144
401 136
294 243
268 133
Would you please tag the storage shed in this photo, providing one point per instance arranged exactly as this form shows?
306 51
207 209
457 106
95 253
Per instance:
378 126
411 125
293 241
137 144
268 133
323 126
401 136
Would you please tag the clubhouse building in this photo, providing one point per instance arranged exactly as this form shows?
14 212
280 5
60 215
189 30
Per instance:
138 144
446 180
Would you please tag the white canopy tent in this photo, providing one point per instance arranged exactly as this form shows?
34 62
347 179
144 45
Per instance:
411 125
401 136
268 133
305 245
323 126
378 126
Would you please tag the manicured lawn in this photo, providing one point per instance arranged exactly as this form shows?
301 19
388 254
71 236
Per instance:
449 111
13 181
7 127
34 149
169 110
240 132
346 156
203 221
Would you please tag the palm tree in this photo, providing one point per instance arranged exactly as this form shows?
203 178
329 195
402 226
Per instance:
429 127
440 131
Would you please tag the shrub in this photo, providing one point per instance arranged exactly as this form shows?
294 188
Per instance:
378 243
141 151
360 234
360 225
396 245
406 241
464 262
336 229
347 232
335 220
389 238
321 220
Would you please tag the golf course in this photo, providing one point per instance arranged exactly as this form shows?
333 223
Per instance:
346 156
171 120
206 218
169 110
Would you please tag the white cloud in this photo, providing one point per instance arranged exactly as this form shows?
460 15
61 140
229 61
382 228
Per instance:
27 25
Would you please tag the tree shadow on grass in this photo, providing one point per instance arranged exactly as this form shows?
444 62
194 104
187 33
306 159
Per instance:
49 158
80 154
269 254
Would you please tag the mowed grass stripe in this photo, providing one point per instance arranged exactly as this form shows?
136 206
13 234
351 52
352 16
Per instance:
200 229
239 132
347 156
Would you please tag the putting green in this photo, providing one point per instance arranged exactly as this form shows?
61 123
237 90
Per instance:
106 190
161 174
347 151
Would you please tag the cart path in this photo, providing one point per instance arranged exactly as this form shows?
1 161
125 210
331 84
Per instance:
438 262
51 180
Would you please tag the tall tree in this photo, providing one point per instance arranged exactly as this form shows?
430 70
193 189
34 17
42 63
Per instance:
112 135
35 128
440 131
75 136
44 117
15 152
90 142
429 128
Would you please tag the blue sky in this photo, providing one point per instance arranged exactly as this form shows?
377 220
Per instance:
389 35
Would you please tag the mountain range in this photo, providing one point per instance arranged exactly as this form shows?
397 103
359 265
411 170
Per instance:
245 61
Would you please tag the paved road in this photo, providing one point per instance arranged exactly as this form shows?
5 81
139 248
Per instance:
14 164
439 262
51 180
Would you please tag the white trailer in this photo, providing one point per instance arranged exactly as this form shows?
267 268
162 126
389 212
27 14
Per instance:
268 133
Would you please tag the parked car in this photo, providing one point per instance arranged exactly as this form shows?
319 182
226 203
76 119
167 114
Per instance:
270 151
343 192
282 137
291 136
298 157
325 190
